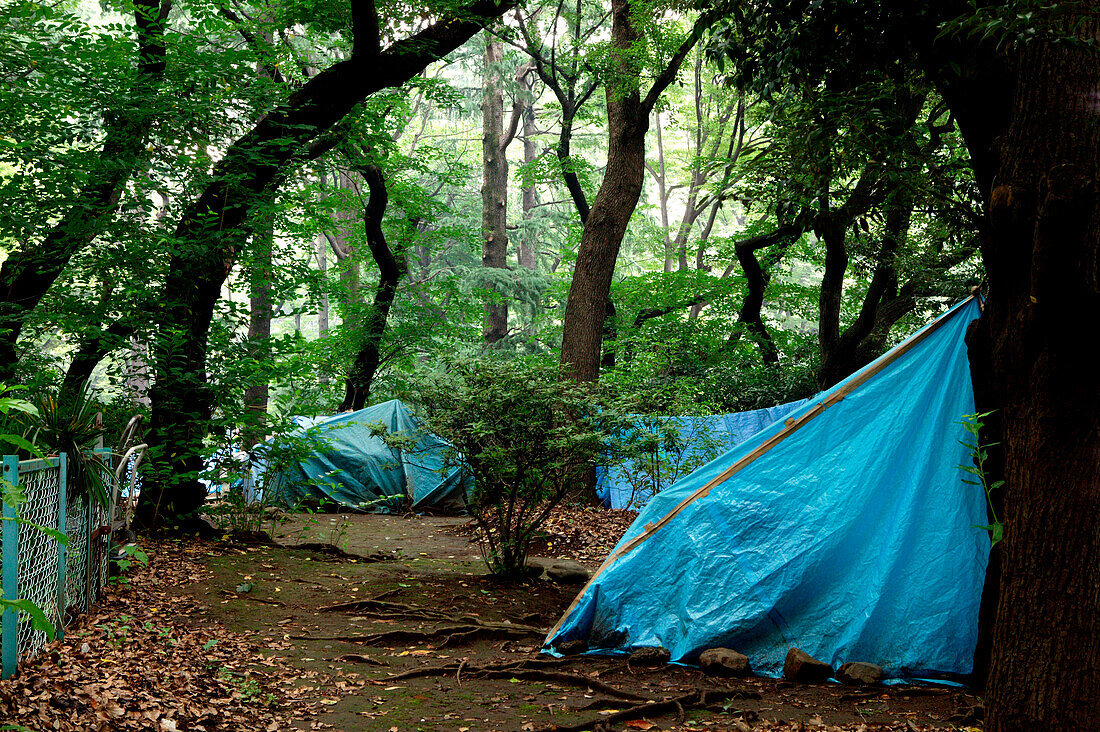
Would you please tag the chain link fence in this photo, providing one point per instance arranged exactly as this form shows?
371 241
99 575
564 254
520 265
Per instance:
60 581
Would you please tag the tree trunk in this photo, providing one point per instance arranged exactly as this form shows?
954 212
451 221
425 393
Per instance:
627 122
494 190
1043 262
210 234
321 250
528 242
757 276
847 352
28 273
93 349
392 266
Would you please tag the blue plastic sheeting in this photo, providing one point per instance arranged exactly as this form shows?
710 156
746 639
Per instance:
357 470
846 531
702 439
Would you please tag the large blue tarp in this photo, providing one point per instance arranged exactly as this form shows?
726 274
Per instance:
356 469
845 530
701 439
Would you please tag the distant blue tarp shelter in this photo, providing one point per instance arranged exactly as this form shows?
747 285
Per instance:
703 438
356 469
845 530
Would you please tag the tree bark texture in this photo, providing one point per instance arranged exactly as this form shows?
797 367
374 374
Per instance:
392 267
494 189
1043 264
209 234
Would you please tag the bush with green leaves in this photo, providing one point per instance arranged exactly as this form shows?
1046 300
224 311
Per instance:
526 438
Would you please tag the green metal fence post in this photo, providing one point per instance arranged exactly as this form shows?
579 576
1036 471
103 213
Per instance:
62 550
88 514
9 626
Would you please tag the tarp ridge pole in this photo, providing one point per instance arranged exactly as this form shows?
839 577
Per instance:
9 632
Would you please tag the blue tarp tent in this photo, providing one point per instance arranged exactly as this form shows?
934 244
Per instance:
702 439
355 469
845 530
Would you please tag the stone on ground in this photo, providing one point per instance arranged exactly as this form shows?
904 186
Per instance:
801 666
649 656
857 673
724 662
567 572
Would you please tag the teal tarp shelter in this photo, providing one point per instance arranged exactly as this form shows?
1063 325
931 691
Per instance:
845 530
356 469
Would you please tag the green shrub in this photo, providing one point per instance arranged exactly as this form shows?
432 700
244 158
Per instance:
526 438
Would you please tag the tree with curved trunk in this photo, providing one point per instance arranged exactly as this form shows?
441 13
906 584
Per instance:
211 231
628 120
27 274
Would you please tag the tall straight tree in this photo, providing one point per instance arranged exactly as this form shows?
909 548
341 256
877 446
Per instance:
628 115
494 187
211 230
1032 128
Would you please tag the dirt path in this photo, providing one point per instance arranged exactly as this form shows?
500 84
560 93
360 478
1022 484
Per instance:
433 607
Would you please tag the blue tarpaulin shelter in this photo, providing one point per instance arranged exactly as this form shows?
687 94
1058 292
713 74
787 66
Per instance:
702 438
845 530
356 469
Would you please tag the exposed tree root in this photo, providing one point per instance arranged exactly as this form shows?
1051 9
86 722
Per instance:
336 553
453 668
359 658
650 707
448 634
242 596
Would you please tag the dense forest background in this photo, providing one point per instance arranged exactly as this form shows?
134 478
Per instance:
782 238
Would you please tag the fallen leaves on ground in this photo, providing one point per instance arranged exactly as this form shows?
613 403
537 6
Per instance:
585 533
145 659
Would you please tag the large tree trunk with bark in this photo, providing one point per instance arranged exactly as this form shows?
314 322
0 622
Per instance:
627 122
1043 262
211 230
494 189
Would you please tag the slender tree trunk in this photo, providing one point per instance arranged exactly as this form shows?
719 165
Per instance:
392 266
850 350
321 249
627 122
259 325
494 189
528 243
751 315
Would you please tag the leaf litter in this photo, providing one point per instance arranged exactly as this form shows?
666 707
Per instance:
147 658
